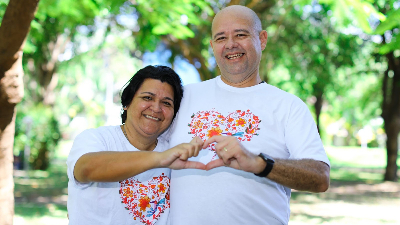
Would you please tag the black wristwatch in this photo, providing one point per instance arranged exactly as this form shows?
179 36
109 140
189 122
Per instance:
270 163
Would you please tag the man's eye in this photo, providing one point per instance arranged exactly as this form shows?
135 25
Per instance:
220 39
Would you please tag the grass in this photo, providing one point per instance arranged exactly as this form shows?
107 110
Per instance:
357 194
40 196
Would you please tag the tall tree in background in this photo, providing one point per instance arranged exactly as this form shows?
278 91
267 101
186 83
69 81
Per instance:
13 31
390 49
54 26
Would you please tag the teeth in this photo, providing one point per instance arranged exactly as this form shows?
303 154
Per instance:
150 117
235 56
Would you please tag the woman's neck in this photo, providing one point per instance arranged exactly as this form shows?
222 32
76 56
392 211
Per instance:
141 143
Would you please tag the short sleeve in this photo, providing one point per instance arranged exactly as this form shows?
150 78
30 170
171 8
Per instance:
88 141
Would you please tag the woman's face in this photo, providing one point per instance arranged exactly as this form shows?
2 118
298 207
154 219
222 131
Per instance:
151 110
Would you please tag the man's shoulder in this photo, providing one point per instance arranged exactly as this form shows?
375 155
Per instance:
199 84
283 93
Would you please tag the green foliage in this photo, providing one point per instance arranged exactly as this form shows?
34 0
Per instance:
392 21
389 25
3 6
348 11
36 127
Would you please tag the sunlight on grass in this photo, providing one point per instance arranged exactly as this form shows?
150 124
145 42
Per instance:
18 220
39 214
357 157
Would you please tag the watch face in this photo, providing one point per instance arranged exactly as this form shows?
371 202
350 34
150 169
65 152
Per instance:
266 157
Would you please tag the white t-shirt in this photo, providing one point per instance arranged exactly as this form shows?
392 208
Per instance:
265 119
142 199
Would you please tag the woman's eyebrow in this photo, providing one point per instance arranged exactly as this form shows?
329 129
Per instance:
152 94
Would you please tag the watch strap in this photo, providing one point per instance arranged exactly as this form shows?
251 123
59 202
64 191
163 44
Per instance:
270 164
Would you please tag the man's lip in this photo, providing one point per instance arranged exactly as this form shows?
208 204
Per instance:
234 56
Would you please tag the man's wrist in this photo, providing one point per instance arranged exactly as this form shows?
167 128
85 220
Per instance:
268 167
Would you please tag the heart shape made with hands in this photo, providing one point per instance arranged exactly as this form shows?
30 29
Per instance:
146 201
241 124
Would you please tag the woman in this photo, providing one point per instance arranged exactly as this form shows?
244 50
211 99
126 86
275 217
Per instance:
120 174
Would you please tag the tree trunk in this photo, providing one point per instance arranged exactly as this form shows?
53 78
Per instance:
318 107
13 31
392 152
391 114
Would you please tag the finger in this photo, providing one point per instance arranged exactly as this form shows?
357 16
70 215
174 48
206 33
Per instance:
194 165
214 164
227 161
196 140
198 145
184 155
215 138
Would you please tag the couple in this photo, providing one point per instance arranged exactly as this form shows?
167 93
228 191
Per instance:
236 148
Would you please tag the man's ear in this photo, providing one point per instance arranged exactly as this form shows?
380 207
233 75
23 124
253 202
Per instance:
211 43
263 39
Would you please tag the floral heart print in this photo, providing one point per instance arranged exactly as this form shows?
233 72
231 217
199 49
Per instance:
241 124
146 201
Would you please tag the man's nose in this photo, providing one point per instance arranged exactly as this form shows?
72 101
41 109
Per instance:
231 43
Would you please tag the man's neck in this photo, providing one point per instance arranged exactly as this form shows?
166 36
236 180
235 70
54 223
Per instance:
246 82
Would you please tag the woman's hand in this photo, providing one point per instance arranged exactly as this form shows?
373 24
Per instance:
177 157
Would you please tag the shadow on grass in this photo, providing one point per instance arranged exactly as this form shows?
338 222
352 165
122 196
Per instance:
34 210
353 185
41 193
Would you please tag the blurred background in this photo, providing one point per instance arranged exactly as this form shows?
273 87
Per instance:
340 57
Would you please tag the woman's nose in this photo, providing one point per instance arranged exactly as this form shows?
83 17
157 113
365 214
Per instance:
156 106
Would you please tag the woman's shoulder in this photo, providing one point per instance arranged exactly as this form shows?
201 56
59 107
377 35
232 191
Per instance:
98 132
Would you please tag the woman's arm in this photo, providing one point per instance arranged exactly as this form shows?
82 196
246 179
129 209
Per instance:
110 166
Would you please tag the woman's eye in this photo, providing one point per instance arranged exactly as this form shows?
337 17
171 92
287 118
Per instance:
167 104
146 98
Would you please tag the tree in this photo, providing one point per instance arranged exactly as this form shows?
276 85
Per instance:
13 31
390 49
57 21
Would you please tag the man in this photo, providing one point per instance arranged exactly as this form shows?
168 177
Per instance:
239 117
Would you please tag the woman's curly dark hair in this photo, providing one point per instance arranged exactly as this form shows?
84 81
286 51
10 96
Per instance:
161 73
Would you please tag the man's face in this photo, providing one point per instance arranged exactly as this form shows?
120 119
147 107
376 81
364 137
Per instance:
236 45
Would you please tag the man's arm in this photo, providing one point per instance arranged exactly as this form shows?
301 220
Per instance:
304 174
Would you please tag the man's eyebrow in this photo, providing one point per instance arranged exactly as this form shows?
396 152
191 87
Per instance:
217 34
242 30
236 31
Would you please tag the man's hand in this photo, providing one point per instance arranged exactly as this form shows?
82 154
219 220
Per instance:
177 157
232 154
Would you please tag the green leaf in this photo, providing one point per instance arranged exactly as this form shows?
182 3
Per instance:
389 47
392 21
302 2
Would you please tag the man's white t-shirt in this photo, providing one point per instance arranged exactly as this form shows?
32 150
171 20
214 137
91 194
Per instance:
265 119
142 199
